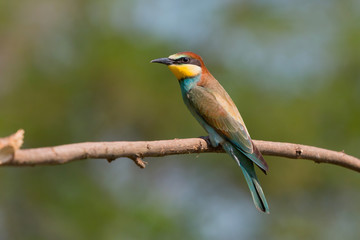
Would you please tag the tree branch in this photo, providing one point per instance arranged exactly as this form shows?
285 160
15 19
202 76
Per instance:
141 149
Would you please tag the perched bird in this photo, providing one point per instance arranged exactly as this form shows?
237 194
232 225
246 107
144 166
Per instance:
213 108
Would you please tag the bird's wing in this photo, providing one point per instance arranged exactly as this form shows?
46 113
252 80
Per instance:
221 114
219 111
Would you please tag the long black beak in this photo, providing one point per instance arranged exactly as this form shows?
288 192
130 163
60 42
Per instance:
166 61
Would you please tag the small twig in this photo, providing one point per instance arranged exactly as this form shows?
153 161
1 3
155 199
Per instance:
138 161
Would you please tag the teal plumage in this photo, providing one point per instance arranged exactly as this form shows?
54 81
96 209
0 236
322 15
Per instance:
213 108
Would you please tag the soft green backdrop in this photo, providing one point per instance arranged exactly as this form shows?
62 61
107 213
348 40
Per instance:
78 70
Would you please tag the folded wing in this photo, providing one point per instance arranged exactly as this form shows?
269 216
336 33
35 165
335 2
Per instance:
220 112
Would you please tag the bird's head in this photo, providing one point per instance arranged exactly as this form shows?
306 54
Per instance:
183 64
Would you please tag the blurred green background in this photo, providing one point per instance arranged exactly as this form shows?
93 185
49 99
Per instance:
73 71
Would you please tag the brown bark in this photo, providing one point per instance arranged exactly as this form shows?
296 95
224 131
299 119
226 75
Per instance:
141 149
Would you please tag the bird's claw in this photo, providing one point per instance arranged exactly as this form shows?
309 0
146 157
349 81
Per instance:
207 140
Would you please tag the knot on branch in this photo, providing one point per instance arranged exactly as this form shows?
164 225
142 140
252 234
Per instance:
298 152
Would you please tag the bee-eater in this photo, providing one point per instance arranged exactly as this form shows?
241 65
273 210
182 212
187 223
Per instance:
213 108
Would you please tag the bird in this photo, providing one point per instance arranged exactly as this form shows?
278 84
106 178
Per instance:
216 112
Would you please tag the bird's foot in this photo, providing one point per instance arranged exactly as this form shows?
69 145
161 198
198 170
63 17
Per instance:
207 140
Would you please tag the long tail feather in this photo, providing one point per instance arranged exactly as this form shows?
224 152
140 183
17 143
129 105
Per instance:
248 170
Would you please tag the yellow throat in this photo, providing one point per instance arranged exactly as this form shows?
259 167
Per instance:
185 70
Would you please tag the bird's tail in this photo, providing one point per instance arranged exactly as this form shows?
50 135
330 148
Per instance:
248 170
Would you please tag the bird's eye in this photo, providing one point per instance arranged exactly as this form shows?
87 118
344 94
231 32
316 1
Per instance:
185 59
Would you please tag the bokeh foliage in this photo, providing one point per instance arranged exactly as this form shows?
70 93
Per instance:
73 71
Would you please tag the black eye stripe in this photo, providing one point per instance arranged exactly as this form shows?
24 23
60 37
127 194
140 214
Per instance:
195 62
187 60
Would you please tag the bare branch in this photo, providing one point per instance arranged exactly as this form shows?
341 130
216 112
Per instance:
141 149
